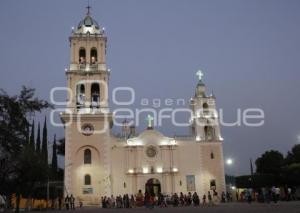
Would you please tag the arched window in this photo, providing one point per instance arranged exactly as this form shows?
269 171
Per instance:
80 94
82 56
209 132
95 93
87 180
87 156
205 106
94 55
212 156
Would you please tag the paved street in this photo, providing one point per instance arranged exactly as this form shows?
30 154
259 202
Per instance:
282 207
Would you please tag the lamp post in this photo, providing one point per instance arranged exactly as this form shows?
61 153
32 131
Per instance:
229 161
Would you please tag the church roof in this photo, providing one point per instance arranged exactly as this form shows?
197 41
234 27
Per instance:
151 136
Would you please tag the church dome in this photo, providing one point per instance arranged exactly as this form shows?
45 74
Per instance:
88 25
88 21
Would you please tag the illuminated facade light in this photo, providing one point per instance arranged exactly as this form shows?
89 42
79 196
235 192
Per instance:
233 187
145 170
168 142
198 138
175 169
159 170
130 171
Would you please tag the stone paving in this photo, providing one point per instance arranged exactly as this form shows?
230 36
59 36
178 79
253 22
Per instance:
281 207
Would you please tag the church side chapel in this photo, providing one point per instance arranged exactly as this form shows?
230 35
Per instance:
97 163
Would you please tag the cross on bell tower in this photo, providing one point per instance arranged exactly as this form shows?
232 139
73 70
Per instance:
200 75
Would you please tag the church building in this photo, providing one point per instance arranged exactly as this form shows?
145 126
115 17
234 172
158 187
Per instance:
97 163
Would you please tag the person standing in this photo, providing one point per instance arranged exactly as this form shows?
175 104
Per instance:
72 201
59 203
249 196
204 200
215 197
196 199
209 197
67 202
223 197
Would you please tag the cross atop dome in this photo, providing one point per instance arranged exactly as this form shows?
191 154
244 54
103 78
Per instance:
200 75
149 120
88 9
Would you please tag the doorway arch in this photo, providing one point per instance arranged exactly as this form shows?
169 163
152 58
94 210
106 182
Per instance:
153 186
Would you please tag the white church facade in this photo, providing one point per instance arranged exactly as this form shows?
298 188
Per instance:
97 163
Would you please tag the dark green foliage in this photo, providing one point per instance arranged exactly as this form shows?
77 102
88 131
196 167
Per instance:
257 181
54 156
45 143
270 162
291 174
61 147
273 169
294 155
20 166
38 140
31 139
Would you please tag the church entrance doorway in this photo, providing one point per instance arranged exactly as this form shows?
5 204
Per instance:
153 186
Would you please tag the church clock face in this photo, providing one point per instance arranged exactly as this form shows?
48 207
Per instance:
151 151
87 129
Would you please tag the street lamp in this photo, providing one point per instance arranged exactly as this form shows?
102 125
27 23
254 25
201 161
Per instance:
229 161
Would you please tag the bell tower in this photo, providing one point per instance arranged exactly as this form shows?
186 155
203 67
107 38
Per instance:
205 129
204 122
87 117
88 75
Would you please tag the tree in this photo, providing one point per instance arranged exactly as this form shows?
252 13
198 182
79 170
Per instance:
294 155
45 143
20 166
38 140
291 174
31 139
257 180
29 171
54 156
28 134
270 162
61 147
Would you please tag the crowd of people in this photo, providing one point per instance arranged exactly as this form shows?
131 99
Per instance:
70 202
149 200
212 198
267 195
